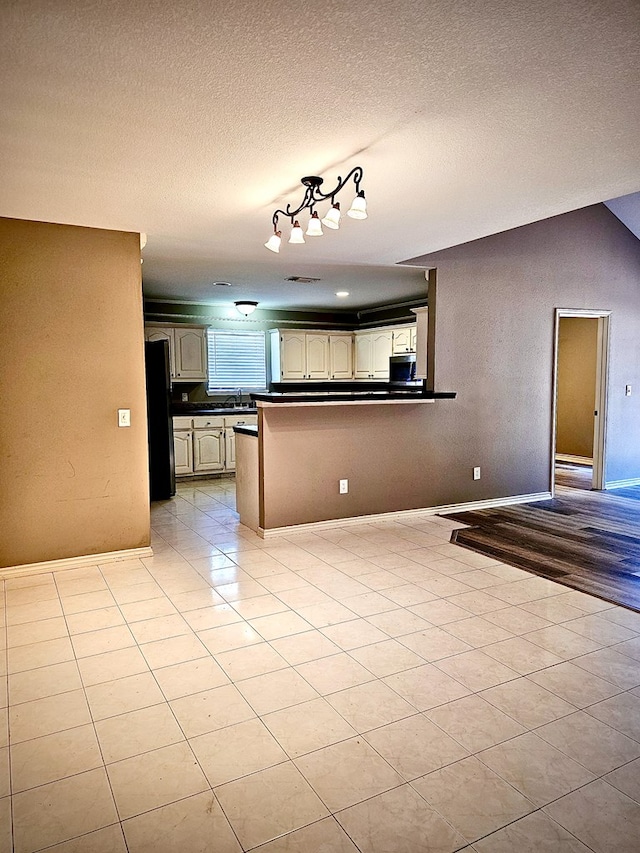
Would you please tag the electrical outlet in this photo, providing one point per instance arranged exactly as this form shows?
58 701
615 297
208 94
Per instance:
185 397
344 487
476 473
124 417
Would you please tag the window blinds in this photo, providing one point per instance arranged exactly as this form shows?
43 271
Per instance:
236 360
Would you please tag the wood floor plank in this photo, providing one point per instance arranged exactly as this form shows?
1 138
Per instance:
587 540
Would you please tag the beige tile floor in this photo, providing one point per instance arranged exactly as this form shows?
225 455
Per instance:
366 688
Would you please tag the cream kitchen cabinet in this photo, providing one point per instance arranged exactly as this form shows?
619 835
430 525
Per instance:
341 356
183 445
187 350
230 437
206 444
299 355
404 340
372 354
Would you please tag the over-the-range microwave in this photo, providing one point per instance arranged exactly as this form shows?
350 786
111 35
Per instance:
402 368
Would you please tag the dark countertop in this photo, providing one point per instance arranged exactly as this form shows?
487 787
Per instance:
195 409
352 393
247 429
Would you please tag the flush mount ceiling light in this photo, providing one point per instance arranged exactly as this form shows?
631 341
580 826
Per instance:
313 195
245 307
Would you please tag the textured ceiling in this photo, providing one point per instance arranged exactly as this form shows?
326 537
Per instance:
192 121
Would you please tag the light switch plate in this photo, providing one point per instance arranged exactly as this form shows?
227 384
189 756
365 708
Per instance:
627 390
124 417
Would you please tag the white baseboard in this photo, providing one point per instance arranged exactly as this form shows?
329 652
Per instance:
75 562
445 509
575 460
621 484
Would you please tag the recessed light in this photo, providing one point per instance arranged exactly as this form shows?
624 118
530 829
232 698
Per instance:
222 284
342 293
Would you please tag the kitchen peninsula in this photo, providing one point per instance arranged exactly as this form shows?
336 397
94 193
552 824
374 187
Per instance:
308 439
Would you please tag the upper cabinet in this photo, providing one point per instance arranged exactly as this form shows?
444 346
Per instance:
404 340
187 350
296 356
300 355
190 354
341 356
372 353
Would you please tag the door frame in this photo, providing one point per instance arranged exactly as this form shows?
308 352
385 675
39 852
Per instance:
601 380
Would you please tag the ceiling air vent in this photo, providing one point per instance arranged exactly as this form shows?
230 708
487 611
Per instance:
301 279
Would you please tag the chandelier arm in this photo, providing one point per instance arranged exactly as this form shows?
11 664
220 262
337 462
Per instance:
356 173
313 195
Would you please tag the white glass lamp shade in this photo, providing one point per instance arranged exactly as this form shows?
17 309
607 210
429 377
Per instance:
296 233
332 218
358 208
273 243
314 229
245 307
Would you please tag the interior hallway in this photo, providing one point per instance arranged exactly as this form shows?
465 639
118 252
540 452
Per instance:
370 688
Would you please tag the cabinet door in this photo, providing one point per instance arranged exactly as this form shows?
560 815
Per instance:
413 334
341 356
317 352
183 451
363 356
230 449
293 357
381 353
190 355
208 450
155 333
401 341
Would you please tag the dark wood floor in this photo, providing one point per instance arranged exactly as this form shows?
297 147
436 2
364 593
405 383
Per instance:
574 476
587 540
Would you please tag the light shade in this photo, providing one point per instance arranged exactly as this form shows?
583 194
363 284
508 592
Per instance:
332 218
296 233
273 243
245 307
358 208
314 229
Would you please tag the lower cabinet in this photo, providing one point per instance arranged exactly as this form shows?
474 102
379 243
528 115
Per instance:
183 451
208 450
206 445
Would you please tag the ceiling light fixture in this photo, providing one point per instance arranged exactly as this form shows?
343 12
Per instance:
312 196
245 307
342 293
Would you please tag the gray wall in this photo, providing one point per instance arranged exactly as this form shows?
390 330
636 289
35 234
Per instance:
495 331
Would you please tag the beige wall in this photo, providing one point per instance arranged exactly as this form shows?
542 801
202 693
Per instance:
72 353
577 358
494 339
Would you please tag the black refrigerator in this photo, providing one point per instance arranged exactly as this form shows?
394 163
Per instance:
162 472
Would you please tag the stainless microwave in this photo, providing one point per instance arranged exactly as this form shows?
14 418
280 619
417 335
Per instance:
402 368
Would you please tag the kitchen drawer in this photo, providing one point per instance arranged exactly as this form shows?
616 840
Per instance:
208 422
181 423
240 420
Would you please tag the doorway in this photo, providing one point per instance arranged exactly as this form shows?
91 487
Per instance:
579 412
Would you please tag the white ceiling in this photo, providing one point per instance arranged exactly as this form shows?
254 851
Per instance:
192 121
